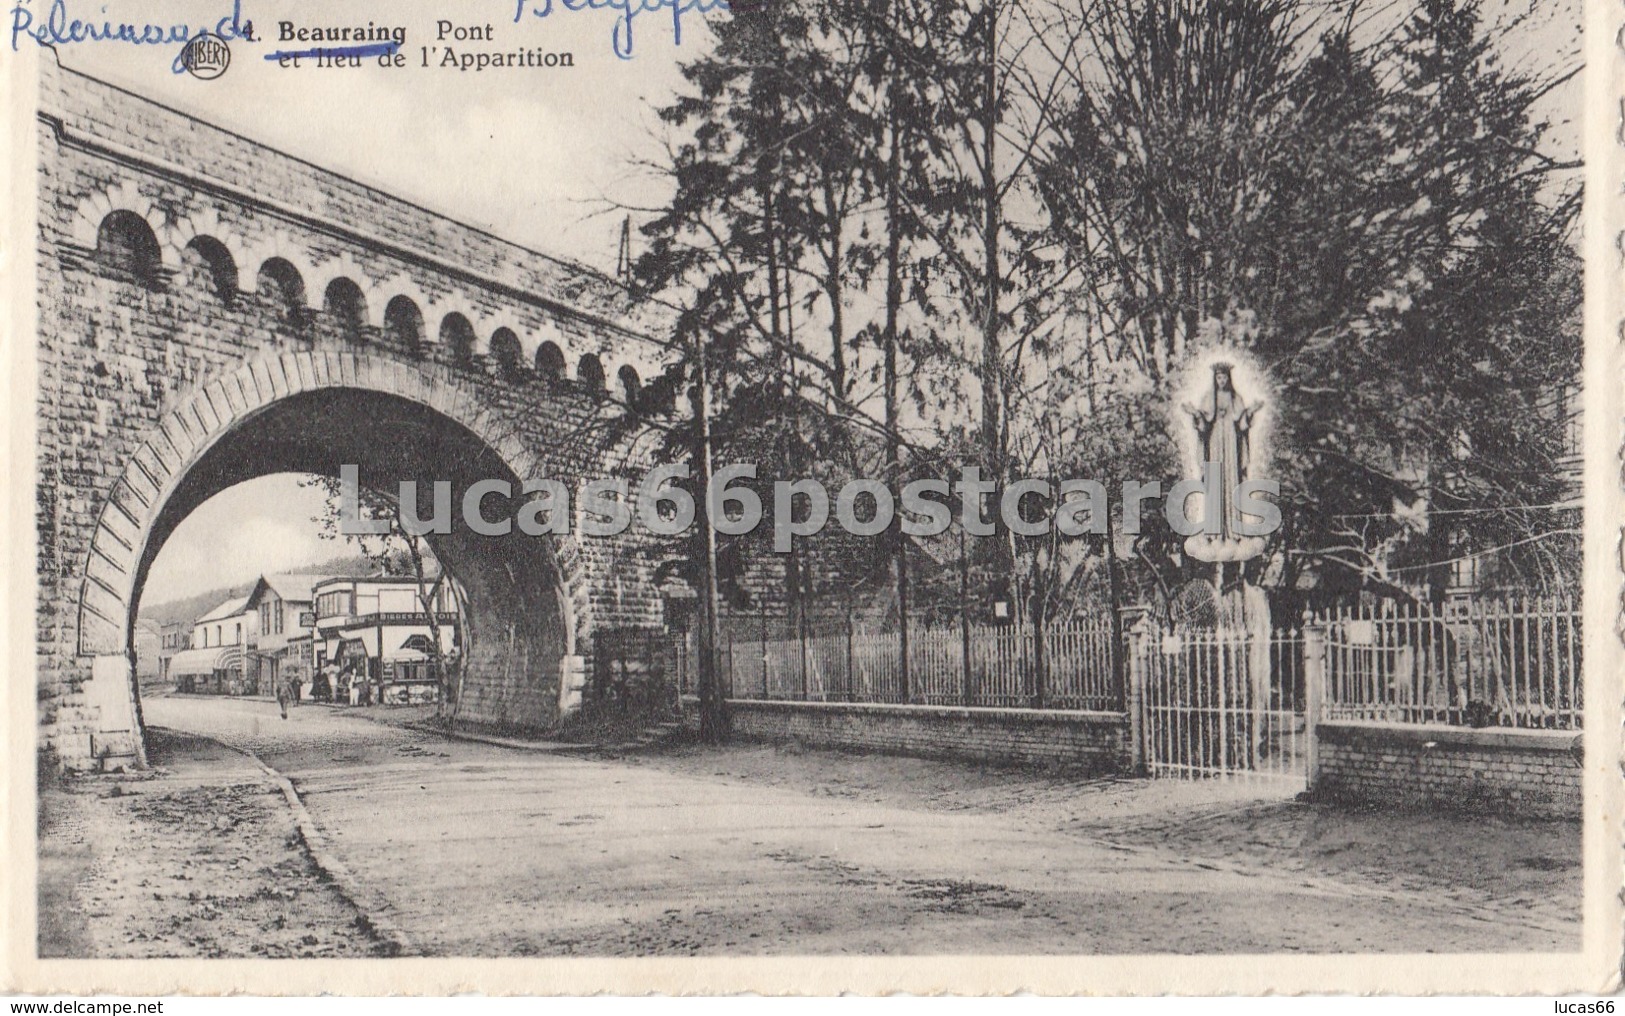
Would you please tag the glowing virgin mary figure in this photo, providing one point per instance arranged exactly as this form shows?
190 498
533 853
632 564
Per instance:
1223 430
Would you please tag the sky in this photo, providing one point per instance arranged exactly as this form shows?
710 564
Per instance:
534 155
261 527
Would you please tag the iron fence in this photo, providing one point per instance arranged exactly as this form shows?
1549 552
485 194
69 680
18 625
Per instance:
1512 662
1067 665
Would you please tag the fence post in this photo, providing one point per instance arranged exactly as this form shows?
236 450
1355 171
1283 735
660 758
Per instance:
761 631
1134 694
806 683
851 670
967 688
1040 666
1314 690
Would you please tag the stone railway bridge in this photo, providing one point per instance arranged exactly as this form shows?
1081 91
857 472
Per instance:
212 310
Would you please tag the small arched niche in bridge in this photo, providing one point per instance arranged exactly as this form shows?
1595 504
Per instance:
631 388
207 264
550 364
508 354
346 309
457 338
284 288
403 326
127 248
590 372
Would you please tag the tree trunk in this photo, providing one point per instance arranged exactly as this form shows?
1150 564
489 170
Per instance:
713 705
995 430
992 358
894 447
832 289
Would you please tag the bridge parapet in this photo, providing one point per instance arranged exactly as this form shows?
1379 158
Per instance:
193 183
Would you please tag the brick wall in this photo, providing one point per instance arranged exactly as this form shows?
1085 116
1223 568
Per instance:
1097 742
1486 771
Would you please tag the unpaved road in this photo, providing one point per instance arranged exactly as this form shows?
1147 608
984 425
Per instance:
199 858
481 850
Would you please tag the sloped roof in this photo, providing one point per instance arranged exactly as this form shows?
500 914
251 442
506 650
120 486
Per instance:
294 588
235 605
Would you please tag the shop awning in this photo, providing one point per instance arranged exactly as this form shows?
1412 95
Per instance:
206 661
416 648
351 649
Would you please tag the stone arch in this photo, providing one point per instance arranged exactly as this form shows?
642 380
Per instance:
282 279
636 355
543 334
590 373
550 362
127 247
403 326
221 267
455 302
280 412
344 300
206 225
629 388
278 245
344 266
404 285
459 337
507 353
123 196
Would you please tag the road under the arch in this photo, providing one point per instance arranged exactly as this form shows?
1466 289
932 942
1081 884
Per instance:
518 626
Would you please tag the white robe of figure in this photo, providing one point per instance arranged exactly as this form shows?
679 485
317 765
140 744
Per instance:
1224 428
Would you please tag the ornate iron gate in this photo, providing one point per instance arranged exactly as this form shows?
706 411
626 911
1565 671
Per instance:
1223 703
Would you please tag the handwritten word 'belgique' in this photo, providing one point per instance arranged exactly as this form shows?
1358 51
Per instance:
626 12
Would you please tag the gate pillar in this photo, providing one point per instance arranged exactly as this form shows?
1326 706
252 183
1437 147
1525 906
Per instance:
1134 698
1314 679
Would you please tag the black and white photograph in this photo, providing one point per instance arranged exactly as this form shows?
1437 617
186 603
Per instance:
963 495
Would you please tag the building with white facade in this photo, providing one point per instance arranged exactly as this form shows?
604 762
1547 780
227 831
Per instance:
218 661
374 639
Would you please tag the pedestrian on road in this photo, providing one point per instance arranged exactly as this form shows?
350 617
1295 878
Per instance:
283 693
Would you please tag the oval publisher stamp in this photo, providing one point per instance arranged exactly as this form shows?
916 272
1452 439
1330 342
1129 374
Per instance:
206 56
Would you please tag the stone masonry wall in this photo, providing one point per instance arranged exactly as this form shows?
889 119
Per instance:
138 376
1095 742
1486 771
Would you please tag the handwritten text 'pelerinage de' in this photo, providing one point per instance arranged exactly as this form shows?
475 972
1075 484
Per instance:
59 27
625 11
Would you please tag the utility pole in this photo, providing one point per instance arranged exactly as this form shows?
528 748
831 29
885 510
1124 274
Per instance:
623 255
713 703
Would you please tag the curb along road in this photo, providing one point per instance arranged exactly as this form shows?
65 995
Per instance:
371 905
